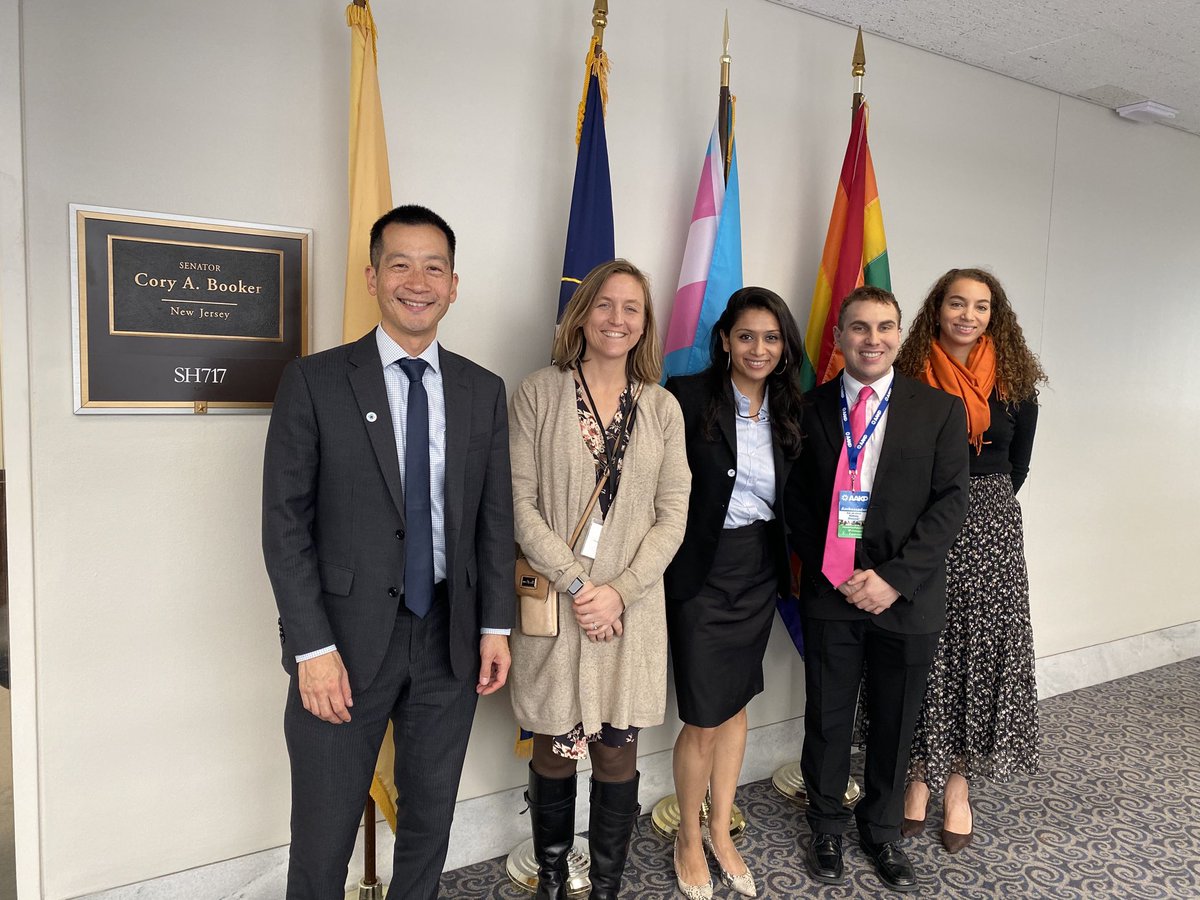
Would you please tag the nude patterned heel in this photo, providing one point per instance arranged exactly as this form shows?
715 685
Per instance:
742 884
691 891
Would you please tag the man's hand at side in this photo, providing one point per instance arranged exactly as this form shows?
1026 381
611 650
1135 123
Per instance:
494 660
325 687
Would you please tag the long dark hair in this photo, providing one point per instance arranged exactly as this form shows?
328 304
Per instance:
786 396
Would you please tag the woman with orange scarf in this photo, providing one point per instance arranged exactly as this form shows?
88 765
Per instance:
980 712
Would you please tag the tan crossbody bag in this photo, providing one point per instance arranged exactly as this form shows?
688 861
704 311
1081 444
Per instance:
539 601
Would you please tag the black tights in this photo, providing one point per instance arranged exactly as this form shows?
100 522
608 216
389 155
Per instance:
609 764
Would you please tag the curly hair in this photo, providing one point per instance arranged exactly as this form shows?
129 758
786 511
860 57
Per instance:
786 395
1018 370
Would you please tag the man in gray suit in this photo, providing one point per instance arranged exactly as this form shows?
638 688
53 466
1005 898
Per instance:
388 538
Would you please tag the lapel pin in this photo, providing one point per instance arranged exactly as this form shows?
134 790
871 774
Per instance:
371 417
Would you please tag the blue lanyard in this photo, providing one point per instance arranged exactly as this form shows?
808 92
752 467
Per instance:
852 449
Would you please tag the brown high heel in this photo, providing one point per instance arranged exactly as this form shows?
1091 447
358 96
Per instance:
953 841
913 827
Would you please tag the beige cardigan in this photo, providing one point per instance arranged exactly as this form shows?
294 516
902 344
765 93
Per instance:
556 683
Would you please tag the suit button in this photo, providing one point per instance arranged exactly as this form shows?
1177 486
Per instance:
731 473
392 592
399 534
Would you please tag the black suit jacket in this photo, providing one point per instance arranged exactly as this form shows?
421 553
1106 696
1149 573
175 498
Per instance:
714 466
333 508
918 503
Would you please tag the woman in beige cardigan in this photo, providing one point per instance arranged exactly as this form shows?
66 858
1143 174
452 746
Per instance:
596 416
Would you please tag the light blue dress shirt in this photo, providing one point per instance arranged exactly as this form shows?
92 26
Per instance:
754 485
396 383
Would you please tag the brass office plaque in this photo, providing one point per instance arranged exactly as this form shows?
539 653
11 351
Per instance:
160 288
181 314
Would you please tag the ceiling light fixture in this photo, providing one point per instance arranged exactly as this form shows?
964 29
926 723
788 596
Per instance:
1146 111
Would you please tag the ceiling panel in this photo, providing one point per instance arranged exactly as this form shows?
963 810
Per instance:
1109 52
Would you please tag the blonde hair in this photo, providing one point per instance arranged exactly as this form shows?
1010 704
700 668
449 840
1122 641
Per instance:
642 363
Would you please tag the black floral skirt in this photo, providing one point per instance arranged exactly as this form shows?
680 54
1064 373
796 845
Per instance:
980 712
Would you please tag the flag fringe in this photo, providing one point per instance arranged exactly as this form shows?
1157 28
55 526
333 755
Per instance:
598 65
384 801
523 746
360 17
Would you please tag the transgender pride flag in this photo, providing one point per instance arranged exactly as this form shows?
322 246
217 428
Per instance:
712 263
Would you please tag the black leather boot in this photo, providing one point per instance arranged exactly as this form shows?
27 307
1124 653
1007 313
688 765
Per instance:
614 810
552 815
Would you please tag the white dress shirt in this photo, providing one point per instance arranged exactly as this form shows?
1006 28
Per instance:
868 459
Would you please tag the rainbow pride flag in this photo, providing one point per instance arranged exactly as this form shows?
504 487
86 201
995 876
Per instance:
855 254
712 263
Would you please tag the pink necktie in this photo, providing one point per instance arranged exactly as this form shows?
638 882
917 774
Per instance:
838 564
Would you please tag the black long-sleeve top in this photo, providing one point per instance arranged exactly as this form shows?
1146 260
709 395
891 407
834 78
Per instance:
1008 442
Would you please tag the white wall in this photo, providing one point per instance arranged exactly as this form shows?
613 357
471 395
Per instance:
158 692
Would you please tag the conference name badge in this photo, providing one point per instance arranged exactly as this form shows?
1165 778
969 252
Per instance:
591 543
852 512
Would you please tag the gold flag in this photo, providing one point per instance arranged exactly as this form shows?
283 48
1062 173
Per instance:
370 198
370 182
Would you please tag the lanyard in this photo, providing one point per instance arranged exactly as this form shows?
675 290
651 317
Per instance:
854 449
610 450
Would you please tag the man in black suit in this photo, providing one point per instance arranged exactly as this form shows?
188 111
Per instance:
873 589
388 538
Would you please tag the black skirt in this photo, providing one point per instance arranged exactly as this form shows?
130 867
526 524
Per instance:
718 637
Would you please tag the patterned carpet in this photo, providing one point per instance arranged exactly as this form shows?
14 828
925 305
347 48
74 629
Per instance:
1115 813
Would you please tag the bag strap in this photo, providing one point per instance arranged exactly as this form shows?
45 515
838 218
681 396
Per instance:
587 513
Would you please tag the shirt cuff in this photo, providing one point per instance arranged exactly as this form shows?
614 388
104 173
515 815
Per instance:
504 631
306 656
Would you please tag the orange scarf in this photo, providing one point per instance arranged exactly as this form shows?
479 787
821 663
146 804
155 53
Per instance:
972 383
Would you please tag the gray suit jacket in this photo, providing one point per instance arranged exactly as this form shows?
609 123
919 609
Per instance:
333 509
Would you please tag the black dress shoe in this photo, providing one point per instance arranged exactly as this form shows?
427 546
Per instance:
824 858
892 865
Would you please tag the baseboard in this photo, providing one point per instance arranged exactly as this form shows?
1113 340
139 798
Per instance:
1075 669
489 826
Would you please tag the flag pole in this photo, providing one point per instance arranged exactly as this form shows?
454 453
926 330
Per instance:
787 779
521 864
665 817
369 886
599 21
724 113
858 70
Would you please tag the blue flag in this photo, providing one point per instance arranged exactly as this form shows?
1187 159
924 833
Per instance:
590 229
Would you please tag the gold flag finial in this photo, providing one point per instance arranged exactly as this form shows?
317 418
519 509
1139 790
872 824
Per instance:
860 57
726 59
858 70
599 20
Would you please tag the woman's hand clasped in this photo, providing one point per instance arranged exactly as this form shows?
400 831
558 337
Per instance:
598 610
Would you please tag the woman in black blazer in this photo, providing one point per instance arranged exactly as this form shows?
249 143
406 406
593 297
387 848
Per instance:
742 426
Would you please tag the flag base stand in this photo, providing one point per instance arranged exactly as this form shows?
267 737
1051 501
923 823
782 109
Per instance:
369 886
665 818
364 891
522 868
788 781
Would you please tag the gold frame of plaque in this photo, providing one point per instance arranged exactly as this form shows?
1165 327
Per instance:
180 314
